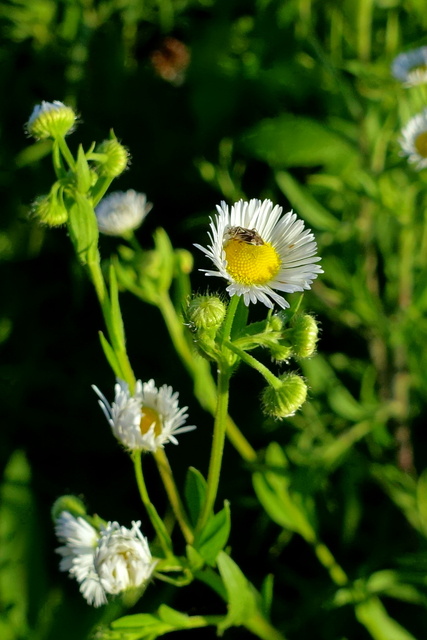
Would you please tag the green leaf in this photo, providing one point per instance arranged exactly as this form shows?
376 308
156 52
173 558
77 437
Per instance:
290 141
287 508
166 253
195 493
380 625
214 536
83 173
83 229
172 617
422 501
241 595
161 530
267 594
306 205
110 355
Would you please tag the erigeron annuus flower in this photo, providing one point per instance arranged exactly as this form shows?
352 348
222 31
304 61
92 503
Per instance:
122 212
258 251
411 67
414 140
50 120
105 562
146 420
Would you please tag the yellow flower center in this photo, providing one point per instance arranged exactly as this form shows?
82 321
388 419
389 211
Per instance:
148 417
251 263
421 144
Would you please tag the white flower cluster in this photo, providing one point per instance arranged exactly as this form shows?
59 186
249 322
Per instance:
105 562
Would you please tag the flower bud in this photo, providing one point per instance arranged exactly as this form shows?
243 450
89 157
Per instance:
284 401
184 260
50 210
68 503
121 212
275 323
280 352
304 335
51 120
206 312
116 158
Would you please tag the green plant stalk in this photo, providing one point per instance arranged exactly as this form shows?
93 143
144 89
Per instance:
326 558
217 447
198 369
173 495
255 364
137 465
68 156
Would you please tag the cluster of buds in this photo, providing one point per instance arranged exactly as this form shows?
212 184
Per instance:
205 315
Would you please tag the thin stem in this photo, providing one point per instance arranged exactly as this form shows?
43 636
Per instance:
326 558
173 495
256 364
229 318
217 447
137 464
66 152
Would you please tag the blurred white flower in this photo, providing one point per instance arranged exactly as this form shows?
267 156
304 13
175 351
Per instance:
258 251
414 140
121 212
411 67
146 420
104 563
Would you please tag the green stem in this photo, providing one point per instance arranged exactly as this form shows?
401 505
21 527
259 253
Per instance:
255 364
173 495
66 152
229 318
260 627
137 464
326 558
217 447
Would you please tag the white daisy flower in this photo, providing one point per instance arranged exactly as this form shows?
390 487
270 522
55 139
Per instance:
146 420
121 212
411 67
119 558
257 251
51 119
414 140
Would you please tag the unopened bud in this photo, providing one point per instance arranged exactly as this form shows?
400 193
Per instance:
116 158
280 352
68 503
51 120
275 323
50 210
184 260
206 312
284 401
304 335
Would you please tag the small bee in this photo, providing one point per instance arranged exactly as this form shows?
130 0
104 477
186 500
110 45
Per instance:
250 236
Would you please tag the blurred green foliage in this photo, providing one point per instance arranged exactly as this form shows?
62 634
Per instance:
291 100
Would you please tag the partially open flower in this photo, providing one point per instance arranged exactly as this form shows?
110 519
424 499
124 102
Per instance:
121 212
109 561
51 120
146 420
258 251
414 140
411 67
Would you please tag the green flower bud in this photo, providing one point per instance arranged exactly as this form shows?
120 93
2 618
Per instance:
285 400
50 210
184 260
304 335
116 158
68 503
275 323
206 312
280 352
51 120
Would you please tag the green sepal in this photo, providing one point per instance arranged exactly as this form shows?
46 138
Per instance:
118 332
83 229
214 536
241 595
195 493
110 355
286 507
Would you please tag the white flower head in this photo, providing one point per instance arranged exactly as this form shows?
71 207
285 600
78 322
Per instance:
259 251
107 562
121 212
146 420
411 67
414 140
51 119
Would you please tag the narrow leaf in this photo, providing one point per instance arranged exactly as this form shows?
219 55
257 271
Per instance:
214 536
195 493
110 355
